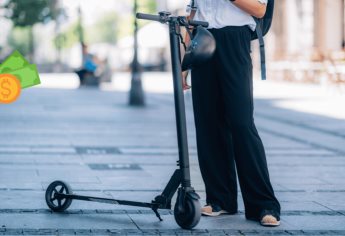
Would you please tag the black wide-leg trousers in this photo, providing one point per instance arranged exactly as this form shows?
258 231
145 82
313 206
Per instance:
227 139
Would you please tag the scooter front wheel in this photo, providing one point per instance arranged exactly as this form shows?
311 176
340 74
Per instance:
53 200
187 214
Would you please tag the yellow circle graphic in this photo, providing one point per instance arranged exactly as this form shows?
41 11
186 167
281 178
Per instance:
9 88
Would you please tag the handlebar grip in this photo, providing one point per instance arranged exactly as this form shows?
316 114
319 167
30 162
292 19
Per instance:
144 16
158 18
197 23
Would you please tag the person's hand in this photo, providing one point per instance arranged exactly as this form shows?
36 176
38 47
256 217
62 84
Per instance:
186 40
185 86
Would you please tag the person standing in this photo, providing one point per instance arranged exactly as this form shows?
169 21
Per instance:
227 139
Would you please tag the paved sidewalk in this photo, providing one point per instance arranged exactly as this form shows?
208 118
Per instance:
102 147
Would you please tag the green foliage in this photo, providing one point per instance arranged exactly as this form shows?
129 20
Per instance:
104 30
18 39
67 38
25 13
127 21
59 41
126 28
147 6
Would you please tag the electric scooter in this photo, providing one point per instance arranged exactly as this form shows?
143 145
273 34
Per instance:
187 210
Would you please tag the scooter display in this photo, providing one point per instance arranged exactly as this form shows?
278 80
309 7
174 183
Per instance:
187 209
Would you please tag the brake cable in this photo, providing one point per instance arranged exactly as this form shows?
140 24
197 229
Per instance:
183 21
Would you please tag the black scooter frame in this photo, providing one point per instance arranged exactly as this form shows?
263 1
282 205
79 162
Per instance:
162 201
181 175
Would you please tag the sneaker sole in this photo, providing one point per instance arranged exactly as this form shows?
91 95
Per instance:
213 214
270 224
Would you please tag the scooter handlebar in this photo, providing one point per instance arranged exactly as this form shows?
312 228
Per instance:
158 18
144 16
198 23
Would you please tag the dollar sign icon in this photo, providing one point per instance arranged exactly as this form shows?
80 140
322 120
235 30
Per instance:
5 91
9 88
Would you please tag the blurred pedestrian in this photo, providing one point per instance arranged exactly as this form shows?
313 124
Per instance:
227 139
89 65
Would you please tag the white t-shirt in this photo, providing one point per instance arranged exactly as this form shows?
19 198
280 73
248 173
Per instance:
221 13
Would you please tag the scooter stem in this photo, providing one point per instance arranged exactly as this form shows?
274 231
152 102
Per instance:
180 112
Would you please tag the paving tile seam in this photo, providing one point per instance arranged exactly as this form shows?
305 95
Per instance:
58 154
311 144
85 154
160 190
150 212
300 125
52 231
323 205
151 164
277 119
74 149
130 147
146 164
76 146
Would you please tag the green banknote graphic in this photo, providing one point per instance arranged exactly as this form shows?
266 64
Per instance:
28 76
14 62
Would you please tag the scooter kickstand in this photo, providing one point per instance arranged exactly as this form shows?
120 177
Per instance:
155 210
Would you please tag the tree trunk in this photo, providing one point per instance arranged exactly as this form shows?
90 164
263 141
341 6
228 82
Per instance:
31 43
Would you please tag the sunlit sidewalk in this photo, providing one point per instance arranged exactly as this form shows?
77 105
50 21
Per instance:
102 147
314 99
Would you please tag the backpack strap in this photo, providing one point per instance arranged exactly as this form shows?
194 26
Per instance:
191 16
193 10
262 48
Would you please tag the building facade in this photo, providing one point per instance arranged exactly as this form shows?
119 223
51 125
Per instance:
307 26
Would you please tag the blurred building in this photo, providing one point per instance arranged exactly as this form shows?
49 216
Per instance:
307 41
329 25
304 26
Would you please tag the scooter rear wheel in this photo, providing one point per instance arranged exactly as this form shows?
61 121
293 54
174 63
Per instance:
55 202
190 216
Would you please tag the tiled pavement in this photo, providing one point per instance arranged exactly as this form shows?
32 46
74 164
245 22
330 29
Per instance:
102 147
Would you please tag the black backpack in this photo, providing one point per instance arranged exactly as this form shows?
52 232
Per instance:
263 25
